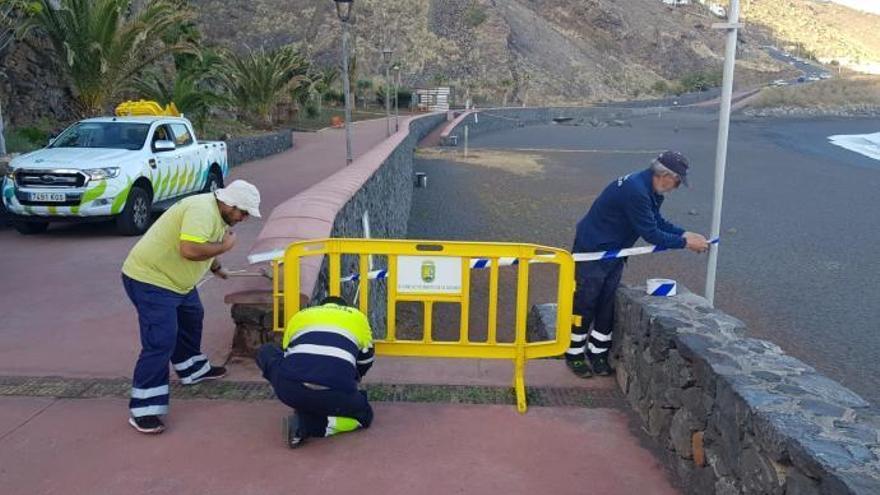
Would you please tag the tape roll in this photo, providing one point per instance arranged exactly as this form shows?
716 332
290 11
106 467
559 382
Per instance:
661 287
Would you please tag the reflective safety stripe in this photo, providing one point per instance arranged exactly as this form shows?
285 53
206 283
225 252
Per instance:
189 362
601 337
204 369
137 412
366 361
146 393
193 238
322 350
578 338
334 330
576 351
595 350
331 426
340 424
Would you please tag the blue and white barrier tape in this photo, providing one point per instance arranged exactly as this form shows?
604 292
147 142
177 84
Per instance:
483 263
661 287
623 253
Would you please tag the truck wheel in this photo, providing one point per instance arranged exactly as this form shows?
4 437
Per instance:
215 181
30 228
135 217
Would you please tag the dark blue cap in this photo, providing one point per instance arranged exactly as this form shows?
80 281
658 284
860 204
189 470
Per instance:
675 162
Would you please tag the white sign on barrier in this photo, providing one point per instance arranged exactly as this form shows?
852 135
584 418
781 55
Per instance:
428 275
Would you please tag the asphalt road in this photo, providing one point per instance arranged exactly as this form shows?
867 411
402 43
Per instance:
798 259
807 68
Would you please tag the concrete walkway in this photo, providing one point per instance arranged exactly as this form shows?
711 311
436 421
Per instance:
222 447
226 438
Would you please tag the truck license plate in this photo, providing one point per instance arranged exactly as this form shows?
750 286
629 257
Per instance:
49 197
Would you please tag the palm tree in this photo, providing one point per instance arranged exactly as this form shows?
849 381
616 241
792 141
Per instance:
316 87
187 90
258 80
192 87
102 45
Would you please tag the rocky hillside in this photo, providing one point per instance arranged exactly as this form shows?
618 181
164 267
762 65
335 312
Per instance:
31 88
532 51
826 30
562 52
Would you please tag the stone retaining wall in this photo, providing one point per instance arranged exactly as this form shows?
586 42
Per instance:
736 414
245 149
845 111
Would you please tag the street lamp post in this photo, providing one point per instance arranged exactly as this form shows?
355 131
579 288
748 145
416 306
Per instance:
731 26
386 57
343 12
396 69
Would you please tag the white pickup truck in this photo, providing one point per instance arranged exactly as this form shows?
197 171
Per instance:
113 167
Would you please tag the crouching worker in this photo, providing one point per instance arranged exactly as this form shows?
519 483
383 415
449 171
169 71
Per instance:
327 349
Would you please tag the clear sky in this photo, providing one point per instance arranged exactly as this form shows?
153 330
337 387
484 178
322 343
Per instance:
872 6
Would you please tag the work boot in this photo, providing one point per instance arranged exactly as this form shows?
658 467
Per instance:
291 430
216 372
599 364
579 367
150 425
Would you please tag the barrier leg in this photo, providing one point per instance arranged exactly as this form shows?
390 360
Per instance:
519 379
522 300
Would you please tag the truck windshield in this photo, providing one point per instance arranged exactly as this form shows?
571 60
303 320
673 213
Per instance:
119 135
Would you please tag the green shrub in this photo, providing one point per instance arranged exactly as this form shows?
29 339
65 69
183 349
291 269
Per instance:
25 139
700 81
33 134
311 110
475 15
334 97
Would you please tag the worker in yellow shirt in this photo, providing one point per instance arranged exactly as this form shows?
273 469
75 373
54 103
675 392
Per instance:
160 275
325 352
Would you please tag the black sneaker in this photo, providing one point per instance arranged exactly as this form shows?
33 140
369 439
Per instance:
291 431
579 367
599 364
150 425
214 373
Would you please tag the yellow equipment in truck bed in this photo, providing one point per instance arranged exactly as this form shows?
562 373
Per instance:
146 108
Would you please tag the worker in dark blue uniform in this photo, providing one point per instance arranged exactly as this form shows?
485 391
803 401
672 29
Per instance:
629 208
325 352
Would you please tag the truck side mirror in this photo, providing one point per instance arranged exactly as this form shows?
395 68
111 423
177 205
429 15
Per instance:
160 146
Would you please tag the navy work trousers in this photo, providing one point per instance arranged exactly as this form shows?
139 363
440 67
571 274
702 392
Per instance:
171 331
321 412
596 284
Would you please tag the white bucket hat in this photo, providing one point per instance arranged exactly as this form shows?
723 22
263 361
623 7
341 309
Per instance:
242 195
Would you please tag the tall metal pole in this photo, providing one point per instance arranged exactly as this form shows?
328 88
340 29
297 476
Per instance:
396 103
465 141
346 88
731 27
387 100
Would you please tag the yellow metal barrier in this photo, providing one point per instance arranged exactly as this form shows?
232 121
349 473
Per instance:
438 272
